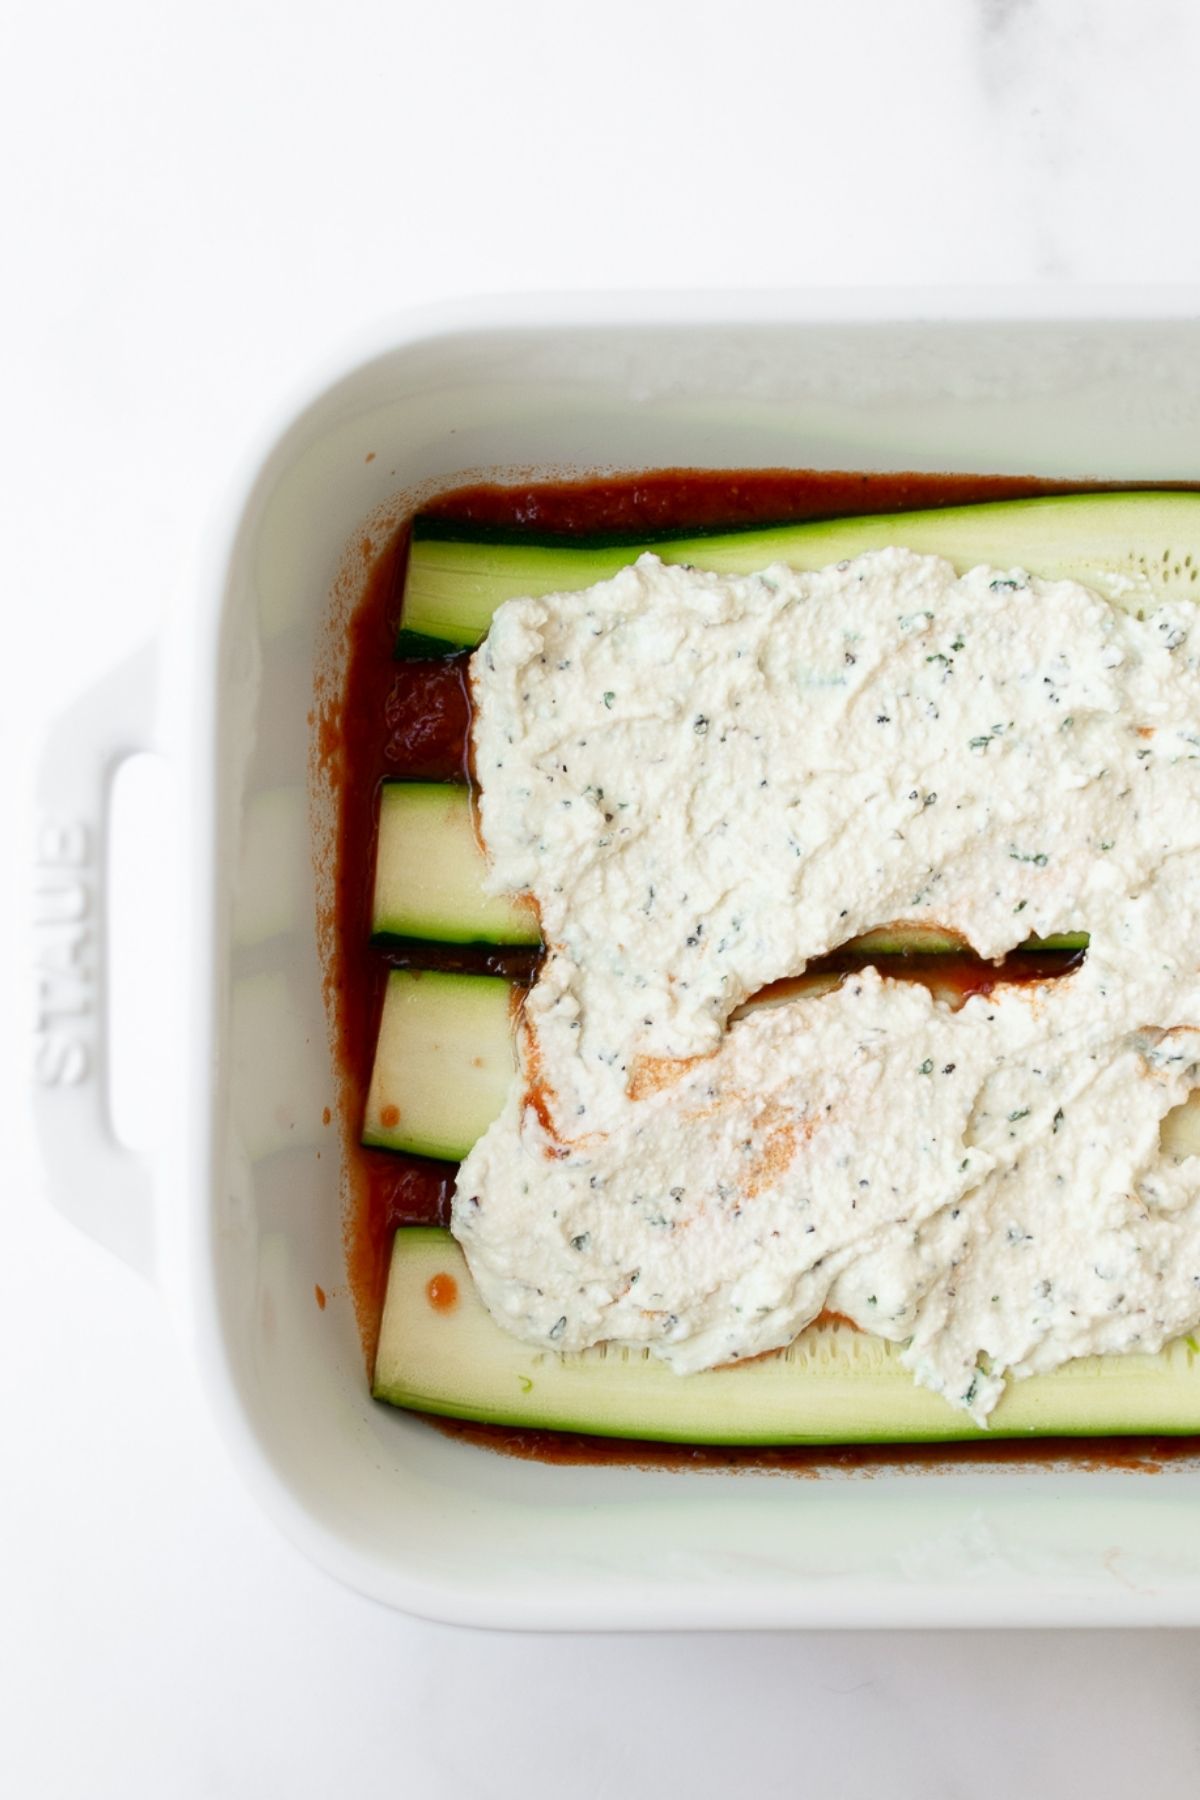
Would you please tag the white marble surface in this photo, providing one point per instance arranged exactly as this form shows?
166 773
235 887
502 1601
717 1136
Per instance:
202 198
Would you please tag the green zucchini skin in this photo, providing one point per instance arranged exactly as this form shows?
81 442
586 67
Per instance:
1137 549
429 871
835 1385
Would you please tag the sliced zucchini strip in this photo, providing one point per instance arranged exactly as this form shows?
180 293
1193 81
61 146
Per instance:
443 1062
445 1054
429 884
441 1352
429 872
1137 549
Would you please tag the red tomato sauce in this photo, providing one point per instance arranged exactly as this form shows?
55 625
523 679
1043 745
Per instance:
1140 1455
411 720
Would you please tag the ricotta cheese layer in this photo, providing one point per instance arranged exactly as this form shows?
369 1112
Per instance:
707 782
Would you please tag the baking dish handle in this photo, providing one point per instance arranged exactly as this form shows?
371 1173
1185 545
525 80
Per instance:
95 1181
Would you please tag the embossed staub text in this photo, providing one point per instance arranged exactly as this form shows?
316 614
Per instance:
64 921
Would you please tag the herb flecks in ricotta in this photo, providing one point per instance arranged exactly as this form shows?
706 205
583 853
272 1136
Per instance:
708 782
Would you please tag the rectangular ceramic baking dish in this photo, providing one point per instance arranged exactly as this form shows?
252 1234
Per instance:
238 1219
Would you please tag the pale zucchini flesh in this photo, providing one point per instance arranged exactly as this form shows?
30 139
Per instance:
429 872
444 1061
1137 549
441 1352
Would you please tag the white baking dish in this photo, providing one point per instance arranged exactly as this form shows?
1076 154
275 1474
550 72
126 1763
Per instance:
238 1218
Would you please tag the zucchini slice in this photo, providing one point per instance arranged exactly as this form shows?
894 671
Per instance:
1136 549
429 884
445 1055
441 1352
429 872
908 937
443 1062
